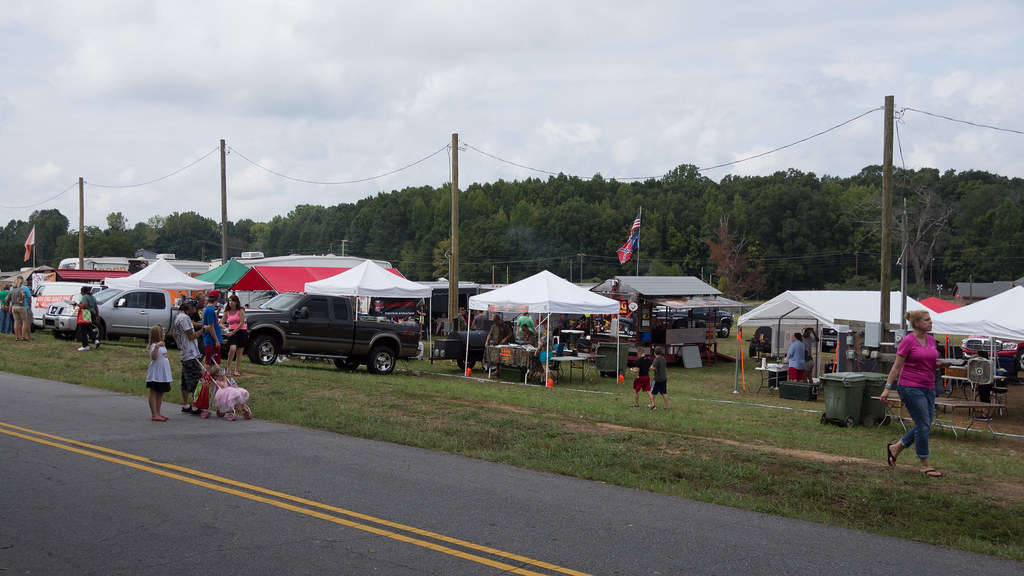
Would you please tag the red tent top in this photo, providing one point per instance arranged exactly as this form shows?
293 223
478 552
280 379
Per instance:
938 304
287 278
90 275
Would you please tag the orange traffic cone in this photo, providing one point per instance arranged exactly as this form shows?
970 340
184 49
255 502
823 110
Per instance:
469 371
551 383
621 378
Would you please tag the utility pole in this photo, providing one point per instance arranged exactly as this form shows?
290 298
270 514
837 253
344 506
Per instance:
884 316
81 223
453 264
223 204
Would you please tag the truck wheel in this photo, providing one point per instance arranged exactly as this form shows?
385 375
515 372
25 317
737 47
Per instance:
263 350
1020 361
103 331
381 360
461 363
346 363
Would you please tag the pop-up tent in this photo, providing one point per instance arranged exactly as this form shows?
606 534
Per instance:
938 304
159 275
225 275
999 316
368 279
544 293
824 308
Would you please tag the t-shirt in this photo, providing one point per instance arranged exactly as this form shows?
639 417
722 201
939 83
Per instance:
796 355
89 302
524 321
210 317
498 333
16 297
660 369
643 366
3 297
188 348
918 361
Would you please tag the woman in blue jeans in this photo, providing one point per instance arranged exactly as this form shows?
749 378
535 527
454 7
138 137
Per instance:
916 357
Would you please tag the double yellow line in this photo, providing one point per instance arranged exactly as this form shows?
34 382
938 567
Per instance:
408 534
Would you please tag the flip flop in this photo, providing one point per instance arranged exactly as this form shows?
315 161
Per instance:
888 453
160 419
932 473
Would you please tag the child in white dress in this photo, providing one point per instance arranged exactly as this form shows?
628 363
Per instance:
158 375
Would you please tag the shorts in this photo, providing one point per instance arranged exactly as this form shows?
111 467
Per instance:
159 386
795 375
642 383
660 388
212 354
19 312
239 339
191 372
985 393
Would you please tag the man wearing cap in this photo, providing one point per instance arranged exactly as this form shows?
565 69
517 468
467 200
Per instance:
185 337
212 338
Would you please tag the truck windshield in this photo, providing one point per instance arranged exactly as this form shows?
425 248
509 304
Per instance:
107 294
282 302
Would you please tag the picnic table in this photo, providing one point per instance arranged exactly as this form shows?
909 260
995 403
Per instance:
951 404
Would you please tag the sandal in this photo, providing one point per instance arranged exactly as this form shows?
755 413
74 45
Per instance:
888 453
932 473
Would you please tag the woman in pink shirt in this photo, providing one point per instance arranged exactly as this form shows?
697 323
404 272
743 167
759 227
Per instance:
916 357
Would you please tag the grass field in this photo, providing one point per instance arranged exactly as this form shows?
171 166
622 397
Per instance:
745 450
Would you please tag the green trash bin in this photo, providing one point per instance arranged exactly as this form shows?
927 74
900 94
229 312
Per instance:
872 411
605 362
843 394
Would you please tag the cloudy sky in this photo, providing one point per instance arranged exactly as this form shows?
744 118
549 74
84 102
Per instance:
343 99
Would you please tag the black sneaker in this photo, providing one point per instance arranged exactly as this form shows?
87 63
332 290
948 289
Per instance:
196 411
186 409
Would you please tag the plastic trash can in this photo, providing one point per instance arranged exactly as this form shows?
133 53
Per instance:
873 411
843 394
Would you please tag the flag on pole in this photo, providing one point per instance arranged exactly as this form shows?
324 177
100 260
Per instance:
29 243
633 243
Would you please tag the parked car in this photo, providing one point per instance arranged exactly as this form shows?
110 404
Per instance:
698 318
1010 353
327 327
48 293
121 313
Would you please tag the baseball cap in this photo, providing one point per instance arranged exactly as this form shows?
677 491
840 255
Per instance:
213 294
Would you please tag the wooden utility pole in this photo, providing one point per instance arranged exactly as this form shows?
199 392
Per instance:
223 204
453 263
81 223
886 212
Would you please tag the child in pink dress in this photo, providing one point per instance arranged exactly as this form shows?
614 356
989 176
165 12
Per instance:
229 395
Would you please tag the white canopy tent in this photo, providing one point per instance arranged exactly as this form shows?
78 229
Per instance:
1000 316
545 293
159 275
368 279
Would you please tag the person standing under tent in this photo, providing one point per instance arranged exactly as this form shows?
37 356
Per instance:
914 372
797 358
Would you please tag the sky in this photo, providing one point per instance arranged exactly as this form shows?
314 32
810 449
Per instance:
328 102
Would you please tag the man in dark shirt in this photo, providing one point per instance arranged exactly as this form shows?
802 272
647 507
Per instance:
499 334
643 378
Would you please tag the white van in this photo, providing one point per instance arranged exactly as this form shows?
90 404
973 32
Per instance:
48 293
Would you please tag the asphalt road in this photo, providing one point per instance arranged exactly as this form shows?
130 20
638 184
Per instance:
89 485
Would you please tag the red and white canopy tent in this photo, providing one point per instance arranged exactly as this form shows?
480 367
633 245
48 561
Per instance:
287 278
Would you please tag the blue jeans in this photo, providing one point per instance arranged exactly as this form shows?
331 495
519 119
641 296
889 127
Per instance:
920 403
6 322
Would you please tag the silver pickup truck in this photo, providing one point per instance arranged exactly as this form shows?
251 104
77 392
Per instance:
129 312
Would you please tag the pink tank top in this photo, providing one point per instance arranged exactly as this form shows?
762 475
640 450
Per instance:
233 320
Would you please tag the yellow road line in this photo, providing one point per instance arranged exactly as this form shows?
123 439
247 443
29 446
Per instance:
132 461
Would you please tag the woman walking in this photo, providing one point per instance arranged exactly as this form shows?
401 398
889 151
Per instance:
916 357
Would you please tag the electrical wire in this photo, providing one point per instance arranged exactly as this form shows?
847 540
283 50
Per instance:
40 203
157 179
356 181
965 121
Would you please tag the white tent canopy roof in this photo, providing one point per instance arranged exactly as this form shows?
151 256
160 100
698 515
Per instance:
159 275
368 279
545 293
825 307
1000 316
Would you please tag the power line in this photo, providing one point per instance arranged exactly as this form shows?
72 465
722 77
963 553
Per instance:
160 178
356 181
43 202
965 122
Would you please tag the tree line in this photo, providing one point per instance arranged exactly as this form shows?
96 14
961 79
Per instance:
750 236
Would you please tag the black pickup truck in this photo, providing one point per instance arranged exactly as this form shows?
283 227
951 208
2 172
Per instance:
326 327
